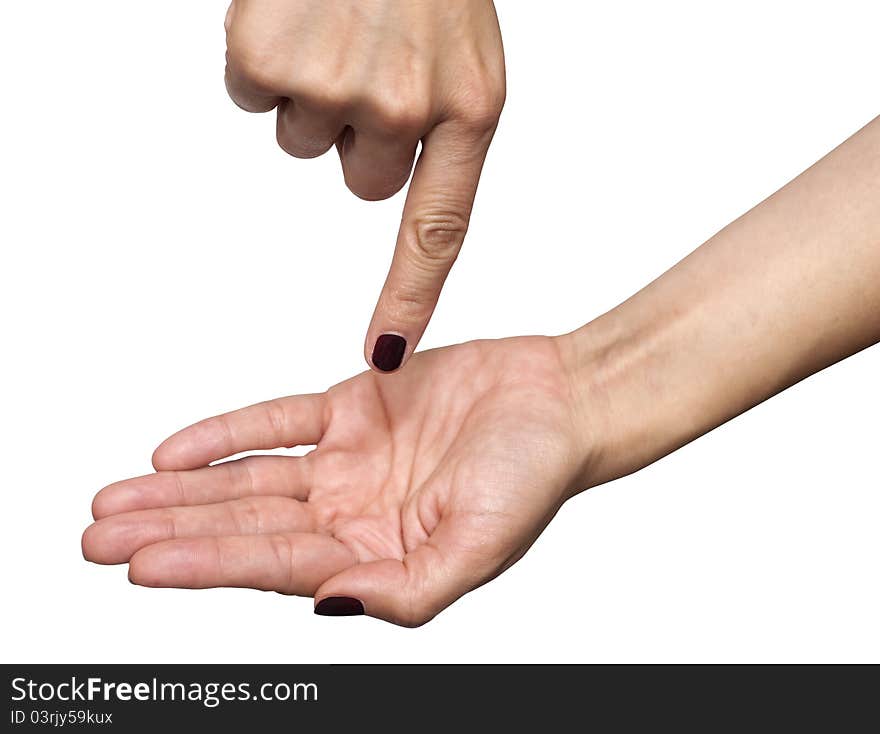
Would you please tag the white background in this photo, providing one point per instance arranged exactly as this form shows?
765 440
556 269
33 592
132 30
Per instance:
163 260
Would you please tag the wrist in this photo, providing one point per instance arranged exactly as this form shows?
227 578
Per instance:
784 291
676 360
631 404
597 369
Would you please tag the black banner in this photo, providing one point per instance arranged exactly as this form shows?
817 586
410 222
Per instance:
150 698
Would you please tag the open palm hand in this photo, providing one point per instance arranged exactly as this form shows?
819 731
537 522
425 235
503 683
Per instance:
423 485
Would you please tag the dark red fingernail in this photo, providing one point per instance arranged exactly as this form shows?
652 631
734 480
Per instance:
339 606
388 352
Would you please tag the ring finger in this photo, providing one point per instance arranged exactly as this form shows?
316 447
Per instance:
376 166
115 539
306 132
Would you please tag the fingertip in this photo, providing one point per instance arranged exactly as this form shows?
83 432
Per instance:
134 573
373 191
170 454
158 459
339 606
141 569
124 496
98 505
388 353
172 563
381 590
94 549
84 542
112 500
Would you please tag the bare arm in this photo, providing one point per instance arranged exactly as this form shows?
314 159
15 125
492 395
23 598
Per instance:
784 291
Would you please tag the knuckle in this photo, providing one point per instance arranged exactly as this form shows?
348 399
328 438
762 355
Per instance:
431 245
282 550
481 103
405 115
246 517
481 117
256 64
169 520
240 477
436 237
414 605
327 95
412 302
179 489
276 419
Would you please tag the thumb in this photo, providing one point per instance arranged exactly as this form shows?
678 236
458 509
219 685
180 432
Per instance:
409 592
435 220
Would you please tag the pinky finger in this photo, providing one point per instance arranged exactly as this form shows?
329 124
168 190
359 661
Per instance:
289 563
246 97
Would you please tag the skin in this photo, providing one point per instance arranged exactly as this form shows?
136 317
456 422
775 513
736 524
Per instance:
429 482
375 78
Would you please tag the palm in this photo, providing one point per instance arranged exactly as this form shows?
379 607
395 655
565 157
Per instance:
423 485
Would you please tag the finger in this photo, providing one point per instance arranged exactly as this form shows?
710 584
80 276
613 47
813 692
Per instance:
376 167
285 422
305 133
245 87
455 559
290 563
115 539
245 92
435 220
283 476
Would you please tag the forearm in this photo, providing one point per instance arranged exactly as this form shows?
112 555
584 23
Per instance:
784 291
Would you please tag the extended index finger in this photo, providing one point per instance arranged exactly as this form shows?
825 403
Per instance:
297 420
435 221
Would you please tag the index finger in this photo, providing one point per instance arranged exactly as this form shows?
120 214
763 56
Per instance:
435 220
297 420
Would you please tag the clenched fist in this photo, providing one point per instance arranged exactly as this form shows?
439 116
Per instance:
375 78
